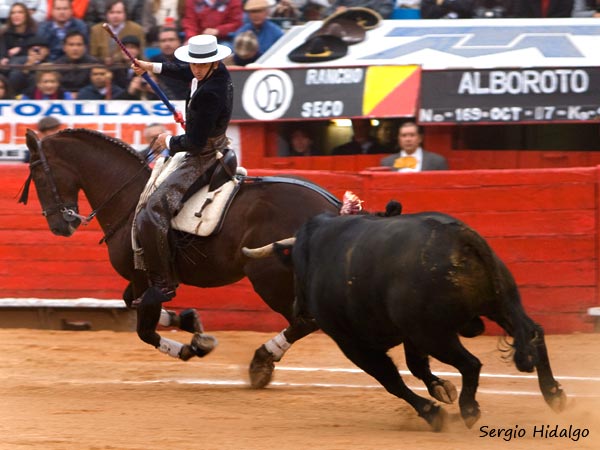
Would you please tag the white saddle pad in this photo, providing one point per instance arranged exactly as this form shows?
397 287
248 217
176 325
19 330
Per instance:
202 212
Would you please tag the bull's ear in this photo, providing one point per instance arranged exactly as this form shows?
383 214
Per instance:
284 253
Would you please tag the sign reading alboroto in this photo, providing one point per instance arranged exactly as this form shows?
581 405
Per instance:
510 95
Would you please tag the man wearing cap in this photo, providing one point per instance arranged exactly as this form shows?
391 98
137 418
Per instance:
208 112
48 125
266 31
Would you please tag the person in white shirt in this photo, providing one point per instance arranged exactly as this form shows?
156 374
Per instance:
412 157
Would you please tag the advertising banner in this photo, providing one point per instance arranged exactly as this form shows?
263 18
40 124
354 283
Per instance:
326 93
510 95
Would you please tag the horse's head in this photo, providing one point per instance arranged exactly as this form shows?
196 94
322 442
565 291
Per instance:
57 186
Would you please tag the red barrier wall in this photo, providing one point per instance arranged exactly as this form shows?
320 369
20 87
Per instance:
543 223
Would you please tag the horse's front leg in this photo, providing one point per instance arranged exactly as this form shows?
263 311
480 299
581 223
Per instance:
263 364
150 314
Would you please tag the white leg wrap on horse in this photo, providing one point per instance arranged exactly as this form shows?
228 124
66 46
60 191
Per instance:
171 348
278 346
165 318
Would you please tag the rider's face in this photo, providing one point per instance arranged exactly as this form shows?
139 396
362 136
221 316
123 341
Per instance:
200 69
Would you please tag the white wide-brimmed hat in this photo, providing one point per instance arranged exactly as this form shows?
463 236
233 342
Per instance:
202 48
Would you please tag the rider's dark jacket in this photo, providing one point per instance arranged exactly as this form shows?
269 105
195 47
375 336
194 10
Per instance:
208 110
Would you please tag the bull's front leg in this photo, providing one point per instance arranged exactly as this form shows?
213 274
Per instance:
263 364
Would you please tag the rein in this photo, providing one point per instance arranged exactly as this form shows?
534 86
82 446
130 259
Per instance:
70 211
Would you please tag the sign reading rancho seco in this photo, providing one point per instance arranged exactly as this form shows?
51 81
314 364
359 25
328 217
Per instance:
510 95
325 92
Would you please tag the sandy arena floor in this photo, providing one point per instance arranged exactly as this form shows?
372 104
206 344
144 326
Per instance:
105 390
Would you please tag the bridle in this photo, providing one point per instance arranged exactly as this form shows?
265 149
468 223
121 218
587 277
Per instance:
70 211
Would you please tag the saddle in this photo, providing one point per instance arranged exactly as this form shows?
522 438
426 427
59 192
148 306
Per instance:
207 200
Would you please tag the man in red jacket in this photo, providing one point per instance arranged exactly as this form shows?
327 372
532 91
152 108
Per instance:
218 18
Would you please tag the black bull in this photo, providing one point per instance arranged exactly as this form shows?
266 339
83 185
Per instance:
372 283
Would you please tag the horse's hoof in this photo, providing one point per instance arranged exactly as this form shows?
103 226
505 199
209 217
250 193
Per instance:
444 391
261 368
203 344
471 416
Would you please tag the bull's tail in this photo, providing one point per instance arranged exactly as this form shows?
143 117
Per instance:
505 307
525 332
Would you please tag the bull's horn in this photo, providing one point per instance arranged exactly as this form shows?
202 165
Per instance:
267 250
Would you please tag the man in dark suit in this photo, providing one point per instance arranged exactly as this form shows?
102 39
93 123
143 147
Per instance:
209 106
411 157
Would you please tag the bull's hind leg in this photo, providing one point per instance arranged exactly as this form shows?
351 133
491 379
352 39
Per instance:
418 364
551 390
531 352
379 365
449 350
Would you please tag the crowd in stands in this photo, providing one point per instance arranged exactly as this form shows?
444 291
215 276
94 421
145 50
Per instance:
65 39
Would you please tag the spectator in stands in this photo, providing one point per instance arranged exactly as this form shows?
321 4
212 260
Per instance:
47 126
97 11
122 76
286 9
386 135
23 75
301 143
6 92
362 142
62 21
47 87
411 157
38 9
101 86
139 89
18 29
383 7
102 46
493 9
543 8
75 75
245 50
315 10
586 8
160 14
150 133
220 18
266 31
447 9
168 41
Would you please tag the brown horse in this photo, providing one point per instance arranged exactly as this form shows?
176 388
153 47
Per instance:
112 175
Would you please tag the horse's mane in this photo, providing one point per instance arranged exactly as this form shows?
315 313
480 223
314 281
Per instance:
118 142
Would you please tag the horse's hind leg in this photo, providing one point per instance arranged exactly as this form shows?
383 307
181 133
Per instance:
263 364
418 364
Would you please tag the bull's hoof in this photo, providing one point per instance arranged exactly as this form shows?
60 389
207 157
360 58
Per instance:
261 368
470 415
557 400
444 391
435 416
